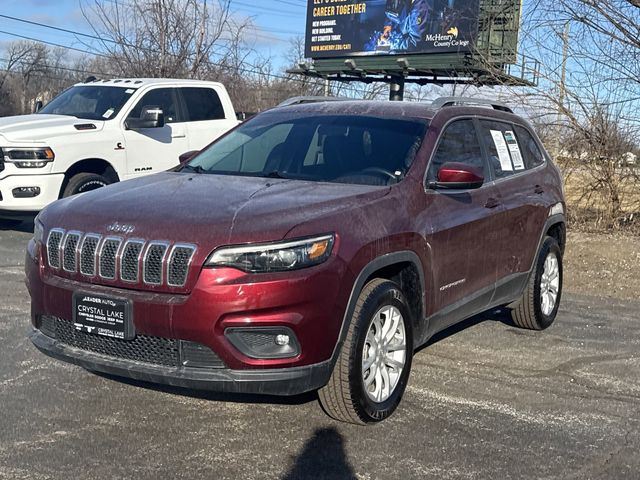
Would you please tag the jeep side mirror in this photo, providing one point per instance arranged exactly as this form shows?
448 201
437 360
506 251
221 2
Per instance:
186 156
37 106
455 175
150 117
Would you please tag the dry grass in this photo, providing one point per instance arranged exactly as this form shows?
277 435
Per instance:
589 206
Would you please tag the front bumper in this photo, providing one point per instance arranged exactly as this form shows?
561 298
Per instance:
310 303
283 381
49 185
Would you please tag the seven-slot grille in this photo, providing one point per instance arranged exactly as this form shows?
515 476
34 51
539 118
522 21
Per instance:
111 258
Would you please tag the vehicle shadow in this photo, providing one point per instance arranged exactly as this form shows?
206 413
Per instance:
323 456
22 225
501 314
214 396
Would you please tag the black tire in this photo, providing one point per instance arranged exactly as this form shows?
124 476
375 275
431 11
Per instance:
84 182
527 312
344 398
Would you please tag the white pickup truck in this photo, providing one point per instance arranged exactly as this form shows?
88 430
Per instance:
105 131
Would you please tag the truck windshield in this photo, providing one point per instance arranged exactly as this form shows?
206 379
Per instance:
319 147
92 102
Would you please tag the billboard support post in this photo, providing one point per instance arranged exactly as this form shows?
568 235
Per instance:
396 89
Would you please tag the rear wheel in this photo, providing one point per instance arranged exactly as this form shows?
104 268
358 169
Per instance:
84 182
538 306
373 367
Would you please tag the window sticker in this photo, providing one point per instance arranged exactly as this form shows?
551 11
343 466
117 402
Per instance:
129 91
108 113
514 148
503 151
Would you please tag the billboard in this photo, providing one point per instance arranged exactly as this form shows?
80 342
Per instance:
340 28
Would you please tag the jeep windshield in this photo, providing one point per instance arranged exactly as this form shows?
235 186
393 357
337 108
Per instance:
92 102
325 148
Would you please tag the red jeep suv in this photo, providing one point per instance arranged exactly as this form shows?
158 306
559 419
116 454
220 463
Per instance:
314 247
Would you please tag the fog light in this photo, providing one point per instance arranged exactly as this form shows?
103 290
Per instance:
264 342
26 192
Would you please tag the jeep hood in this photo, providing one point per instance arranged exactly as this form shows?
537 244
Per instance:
207 210
40 127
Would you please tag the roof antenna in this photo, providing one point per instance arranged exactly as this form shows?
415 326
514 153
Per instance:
90 79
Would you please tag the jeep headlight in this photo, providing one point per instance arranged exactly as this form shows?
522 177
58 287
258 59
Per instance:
28 157
38 231
274 257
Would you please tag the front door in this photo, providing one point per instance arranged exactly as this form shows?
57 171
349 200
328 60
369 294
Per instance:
463 240
151 150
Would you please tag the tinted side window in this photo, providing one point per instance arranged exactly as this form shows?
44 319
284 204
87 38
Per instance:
533 157
202 104
160 97
459 143
505 152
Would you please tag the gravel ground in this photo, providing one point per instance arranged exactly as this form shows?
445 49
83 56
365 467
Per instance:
603 265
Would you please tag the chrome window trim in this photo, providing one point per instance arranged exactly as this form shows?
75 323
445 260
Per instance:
62 233
189 246
140 242
115 258
63 249
163 261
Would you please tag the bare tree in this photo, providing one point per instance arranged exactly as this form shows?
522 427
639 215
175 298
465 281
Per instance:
160 38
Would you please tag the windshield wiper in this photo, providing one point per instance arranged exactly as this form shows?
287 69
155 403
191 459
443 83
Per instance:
275 174
197 169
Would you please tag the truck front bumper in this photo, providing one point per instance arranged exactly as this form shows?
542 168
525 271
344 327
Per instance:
49 186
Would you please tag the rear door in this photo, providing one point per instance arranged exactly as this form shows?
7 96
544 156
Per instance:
464 237
152 150
207 115
515 160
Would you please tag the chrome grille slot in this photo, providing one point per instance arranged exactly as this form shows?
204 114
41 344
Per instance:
53 247
88 255
108 254
153 263
130 260
178 265
70 250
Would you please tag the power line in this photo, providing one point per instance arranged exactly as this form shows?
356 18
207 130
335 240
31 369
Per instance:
253 70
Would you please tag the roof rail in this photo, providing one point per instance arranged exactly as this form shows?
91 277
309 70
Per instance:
311 99
454 101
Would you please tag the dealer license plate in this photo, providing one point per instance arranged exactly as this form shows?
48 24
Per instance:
109 317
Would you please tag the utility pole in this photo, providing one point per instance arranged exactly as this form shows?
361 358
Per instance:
563 79
563 76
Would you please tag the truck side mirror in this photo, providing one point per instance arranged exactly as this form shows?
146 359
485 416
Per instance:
37 106
150 117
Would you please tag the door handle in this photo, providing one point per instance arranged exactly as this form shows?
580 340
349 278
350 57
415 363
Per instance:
178 135
491 203
539 190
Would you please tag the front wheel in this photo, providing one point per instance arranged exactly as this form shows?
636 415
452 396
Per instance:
373 367
538 306
84 182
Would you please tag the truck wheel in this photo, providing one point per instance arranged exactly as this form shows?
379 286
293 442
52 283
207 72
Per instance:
538 306
373 367
84 182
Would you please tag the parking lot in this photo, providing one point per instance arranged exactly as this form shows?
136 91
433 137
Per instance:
486 400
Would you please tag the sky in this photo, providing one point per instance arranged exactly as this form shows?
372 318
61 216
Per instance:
276 22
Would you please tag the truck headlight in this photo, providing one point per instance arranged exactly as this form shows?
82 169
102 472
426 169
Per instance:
274 257
28 157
